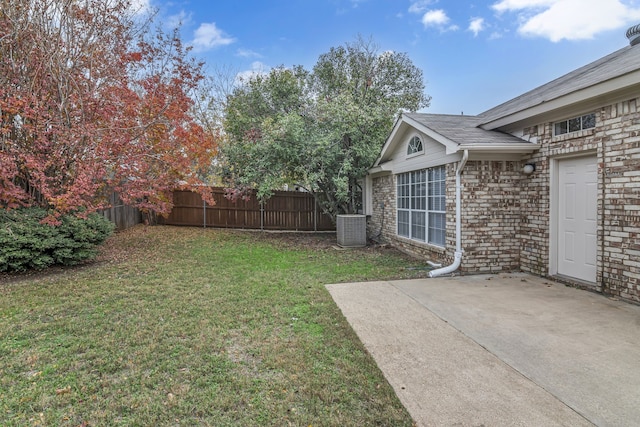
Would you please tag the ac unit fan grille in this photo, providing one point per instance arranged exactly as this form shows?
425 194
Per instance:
351 230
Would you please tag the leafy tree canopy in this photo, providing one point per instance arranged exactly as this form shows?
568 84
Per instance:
319 129
93 99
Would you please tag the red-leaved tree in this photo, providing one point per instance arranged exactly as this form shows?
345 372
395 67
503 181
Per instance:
93 100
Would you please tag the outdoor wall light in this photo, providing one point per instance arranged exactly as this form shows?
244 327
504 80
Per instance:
529 168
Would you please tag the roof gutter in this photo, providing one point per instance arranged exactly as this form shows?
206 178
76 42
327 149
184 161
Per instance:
457 258
615 88
383 167
504 148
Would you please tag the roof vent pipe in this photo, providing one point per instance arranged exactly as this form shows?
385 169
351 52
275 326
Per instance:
457 258
633 34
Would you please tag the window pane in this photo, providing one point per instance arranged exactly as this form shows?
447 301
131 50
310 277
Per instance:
561 128
403 223
436 203
420 196
574 124
418 190
437 228
433 174
437 189
413 198
421 205
418 230
415 145
589 121
403 203
402 191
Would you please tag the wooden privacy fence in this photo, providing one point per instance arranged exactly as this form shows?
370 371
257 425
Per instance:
285 210
121 215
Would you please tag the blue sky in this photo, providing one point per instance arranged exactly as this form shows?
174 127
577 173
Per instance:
474 54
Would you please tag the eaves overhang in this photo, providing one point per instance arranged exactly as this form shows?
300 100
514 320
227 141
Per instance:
480 143
613 90
380 170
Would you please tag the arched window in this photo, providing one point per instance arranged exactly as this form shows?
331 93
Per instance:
415 146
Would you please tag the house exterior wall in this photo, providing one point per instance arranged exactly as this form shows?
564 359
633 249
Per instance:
491 216
616 142
490 223
509 219
381 223
385 231
620 258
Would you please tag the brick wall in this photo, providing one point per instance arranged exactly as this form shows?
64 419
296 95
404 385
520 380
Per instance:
619 136
490 222
382 222
506 214
536 192
535 206
384 194
616 142
491 216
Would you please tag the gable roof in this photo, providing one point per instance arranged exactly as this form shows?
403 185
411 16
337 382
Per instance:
462 130
457 133
615 66
612 77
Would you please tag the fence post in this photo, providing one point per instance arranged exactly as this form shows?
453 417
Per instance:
204 213
261 216
315 213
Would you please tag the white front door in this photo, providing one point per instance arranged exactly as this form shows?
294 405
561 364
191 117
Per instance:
577 217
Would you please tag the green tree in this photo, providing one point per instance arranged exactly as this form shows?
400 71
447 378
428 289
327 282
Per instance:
322 129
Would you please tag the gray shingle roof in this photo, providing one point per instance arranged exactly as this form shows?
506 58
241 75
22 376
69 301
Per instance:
463 130
614 65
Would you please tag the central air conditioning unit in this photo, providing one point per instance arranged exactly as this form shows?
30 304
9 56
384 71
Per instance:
351 231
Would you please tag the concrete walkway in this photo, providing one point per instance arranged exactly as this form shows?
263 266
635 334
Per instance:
500 350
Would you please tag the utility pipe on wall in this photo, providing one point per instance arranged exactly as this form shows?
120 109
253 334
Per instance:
457 257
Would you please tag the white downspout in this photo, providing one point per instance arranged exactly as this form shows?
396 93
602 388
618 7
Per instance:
457 258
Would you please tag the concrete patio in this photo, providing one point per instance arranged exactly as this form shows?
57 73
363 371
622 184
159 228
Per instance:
500 350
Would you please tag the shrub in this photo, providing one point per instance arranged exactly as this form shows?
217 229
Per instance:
27 243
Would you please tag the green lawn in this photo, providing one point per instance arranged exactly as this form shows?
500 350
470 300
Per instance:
185 326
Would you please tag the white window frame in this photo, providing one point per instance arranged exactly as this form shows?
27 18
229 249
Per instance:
575 124
417 152
421 205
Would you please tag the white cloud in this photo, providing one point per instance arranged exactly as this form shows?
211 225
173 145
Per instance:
476 25
248 53
435 18
438 18
208 36
140 6
510 5
257 68
568 19
178 20
141 9
419 6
